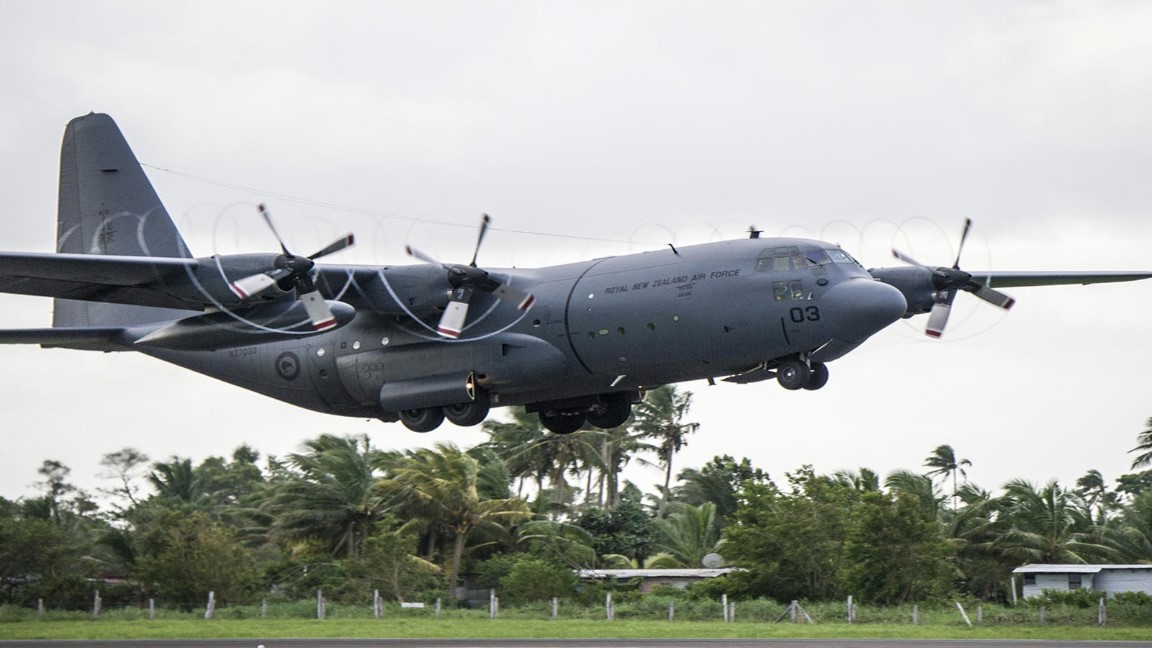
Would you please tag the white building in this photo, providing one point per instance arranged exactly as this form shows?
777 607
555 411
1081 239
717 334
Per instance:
1109 579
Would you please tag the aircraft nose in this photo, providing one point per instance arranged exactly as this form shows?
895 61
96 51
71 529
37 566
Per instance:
864 306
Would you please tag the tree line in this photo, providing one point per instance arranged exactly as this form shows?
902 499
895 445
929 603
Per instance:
524 509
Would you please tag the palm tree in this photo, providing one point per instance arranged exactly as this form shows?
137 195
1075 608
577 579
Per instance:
617 447
685 536
1098 500
175 479
943 462
919 488
531 451
1048 527
331 494
441 486
1143 446
717 482
660 417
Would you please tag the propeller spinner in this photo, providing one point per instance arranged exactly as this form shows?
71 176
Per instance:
465 280
294 271
948 281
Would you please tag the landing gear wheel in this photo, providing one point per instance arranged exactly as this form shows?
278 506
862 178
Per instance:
562 422
469 414
793 374
819 376
422 420
612 412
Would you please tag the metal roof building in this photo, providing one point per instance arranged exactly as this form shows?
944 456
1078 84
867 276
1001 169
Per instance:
1109 579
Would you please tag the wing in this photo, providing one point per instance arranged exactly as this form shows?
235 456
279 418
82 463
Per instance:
1023 279
139 281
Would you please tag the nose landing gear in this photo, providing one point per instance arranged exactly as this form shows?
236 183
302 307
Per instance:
793 374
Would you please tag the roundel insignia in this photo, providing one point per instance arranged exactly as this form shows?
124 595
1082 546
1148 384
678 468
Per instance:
288 365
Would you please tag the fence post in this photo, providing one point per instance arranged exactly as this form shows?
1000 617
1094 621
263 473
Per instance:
671 610
1101 613
851 610
151 609
211 607
724 606
263 608
915 615
491 604
609 613
40 607
96 605
555 608
963 614
1042 614
792 611
437 607
979 615
731 611
320 612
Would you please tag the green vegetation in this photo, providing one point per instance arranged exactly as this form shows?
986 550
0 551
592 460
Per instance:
341 523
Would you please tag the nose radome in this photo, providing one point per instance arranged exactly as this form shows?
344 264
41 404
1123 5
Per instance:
862 307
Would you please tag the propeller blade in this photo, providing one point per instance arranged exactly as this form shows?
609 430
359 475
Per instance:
485 220
963 237
938 319
413 252
994 297
334 246
268 219
252 285
521 299
907 259
318 311
452 321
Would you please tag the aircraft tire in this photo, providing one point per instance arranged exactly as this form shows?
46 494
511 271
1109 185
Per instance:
469 414
819 376
793 374
614 412
562 422
422 420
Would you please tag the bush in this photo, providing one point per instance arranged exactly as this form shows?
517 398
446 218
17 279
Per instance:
1081 598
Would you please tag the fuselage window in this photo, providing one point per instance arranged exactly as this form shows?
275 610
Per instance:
788 290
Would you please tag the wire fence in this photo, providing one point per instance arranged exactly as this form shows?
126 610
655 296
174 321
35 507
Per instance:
1106 612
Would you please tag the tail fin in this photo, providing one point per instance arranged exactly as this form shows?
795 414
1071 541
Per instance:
108 206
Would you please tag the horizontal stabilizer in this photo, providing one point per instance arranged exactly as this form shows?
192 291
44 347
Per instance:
84 339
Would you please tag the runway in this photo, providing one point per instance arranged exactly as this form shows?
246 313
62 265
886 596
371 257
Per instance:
569 643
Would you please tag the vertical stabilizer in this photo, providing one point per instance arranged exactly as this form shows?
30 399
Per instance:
108 206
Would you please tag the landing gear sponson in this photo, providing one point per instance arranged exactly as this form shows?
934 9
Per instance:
604 411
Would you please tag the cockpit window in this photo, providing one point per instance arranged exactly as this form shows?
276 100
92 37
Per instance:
783 259
840 256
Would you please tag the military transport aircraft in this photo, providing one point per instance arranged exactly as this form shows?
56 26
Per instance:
576 343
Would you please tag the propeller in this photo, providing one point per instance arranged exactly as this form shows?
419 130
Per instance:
295 271
948 281
467 279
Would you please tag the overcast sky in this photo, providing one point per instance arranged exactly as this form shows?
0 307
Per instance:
598 128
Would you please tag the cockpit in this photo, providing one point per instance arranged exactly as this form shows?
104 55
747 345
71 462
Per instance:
812 262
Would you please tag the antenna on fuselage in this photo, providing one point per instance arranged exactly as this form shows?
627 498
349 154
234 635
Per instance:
754 233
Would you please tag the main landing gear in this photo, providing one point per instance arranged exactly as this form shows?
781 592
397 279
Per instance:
606 412
793 374
463 414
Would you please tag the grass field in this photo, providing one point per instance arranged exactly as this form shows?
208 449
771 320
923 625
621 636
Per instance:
457 627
